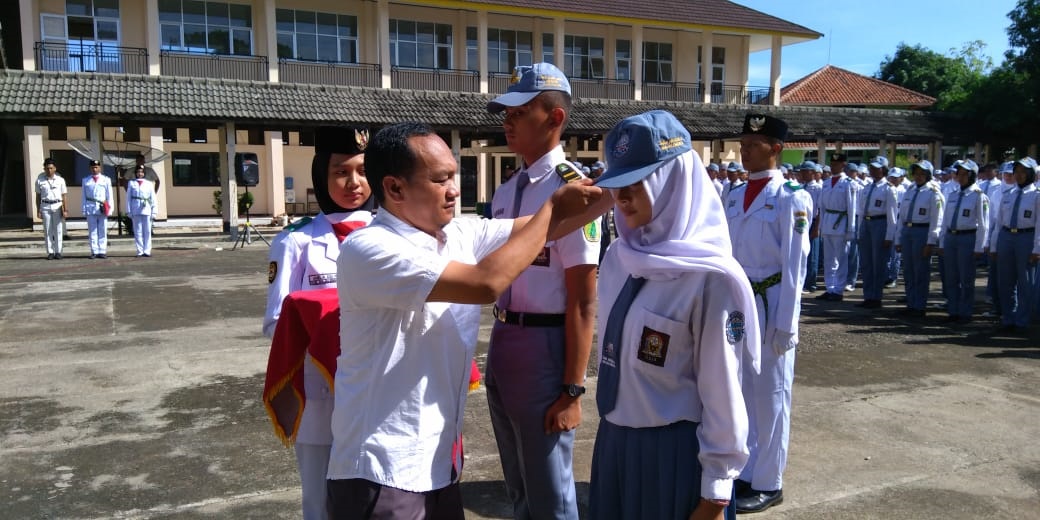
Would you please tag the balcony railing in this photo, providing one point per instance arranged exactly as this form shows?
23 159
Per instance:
449 80
90 57
739 94
689 92
329 73
602 88
205 65
498 82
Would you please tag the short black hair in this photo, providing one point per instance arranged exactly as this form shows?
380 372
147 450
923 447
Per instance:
390 155
551 99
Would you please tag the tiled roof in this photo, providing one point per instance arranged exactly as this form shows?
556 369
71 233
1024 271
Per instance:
834 86
38 97
712 13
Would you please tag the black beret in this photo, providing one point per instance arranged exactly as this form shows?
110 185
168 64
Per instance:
839 157
763 124
94 163
340 139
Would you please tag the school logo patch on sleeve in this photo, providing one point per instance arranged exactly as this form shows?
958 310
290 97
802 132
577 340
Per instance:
800 224
591 231
272 271
653 347
735 327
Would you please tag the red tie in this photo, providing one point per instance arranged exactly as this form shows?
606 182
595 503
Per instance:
140 182
834 180
342 229
754 187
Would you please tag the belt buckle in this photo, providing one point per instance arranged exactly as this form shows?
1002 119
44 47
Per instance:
1014 230
499 314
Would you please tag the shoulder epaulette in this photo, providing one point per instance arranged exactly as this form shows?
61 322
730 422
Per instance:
299 223
737 187
976 188
934 188
567 172
792 186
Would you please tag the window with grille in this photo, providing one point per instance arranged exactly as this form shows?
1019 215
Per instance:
623 60
316 36
203 26
657 62
423 45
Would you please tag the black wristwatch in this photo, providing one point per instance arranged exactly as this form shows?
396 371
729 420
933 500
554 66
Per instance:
573 390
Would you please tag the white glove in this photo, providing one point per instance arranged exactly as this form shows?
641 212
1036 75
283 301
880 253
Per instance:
784 341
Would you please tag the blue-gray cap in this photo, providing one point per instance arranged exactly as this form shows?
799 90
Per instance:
732 167
967 164
1007 167
1028 162
880 162
527 82
807 165
640 144
713 167
925 165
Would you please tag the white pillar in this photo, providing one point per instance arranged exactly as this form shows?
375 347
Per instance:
276 166
483 184
268 20
559 30
155 140
152 35
32 152
572 149
637 62
821 151
383 32
707 41
482 44
456 150
892 151
95 132
774 70
30 23
229 187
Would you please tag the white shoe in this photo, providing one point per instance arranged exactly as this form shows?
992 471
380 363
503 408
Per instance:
850 288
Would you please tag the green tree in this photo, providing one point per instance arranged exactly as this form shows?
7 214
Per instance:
950 78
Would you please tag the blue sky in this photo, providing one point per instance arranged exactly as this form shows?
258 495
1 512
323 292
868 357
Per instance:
858 35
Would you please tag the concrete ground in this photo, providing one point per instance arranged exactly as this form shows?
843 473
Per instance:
130 388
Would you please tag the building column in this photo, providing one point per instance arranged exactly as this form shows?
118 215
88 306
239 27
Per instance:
32 152
155 140
821 150
637 62
276 166
774 70
882 147
26 12
717 147
892 151
96 134
559 31
152 34
572 149
839 146
482 45
483 182
937 155
268 20
456 151
228 184
383 40
707 42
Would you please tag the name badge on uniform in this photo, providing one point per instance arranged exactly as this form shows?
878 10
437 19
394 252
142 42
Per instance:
922 211
542 260
966 213
653 347
732 202
877 203
1027 214
321 278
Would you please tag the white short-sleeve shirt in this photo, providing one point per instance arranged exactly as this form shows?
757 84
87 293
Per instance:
403 370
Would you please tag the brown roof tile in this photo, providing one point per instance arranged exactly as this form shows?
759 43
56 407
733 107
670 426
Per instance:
834 86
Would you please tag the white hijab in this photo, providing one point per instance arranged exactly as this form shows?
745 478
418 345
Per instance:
687 233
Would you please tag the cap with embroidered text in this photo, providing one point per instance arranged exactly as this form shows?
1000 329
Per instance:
925 165
340 139
765 124
639 144
527 82
879 162
807 165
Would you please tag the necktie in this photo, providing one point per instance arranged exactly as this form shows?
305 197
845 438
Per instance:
342 229
834 180
754 187
610 358
957 210
910 210
522 180
1014 211
866 205
140 182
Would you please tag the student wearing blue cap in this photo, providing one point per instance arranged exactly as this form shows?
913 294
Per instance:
965 233
677 322
877 227
806 177
542 336
920 219
1018 248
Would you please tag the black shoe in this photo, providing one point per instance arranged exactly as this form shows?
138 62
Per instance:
952 319
1007 329
57 256
92 256
835 297
50 256
869 304
759 501
147 255
741 488
823 296
102 256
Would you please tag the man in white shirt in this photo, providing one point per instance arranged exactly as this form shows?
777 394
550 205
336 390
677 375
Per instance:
407 336
51 206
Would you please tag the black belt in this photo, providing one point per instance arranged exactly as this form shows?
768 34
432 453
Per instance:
1018 230
917 224
50 201
962 231
528 319
873 217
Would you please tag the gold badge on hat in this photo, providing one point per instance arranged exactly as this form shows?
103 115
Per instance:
515 78
361 137
756 123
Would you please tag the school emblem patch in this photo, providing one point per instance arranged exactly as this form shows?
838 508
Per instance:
735 327
272 271
591 231
361 138
800 223
621 146
653 347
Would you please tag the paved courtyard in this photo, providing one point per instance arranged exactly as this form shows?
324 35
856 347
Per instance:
130 388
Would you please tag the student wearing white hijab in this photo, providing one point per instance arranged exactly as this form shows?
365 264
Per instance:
677 322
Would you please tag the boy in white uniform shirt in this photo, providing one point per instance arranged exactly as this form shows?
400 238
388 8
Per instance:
51 206
1018 247
98 204
837 227
877 228
920 218
965 232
